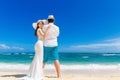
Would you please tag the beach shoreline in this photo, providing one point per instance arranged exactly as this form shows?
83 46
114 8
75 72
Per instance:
73 66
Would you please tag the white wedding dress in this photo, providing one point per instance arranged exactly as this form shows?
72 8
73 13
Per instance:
35 71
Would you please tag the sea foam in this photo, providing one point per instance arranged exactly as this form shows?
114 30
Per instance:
17 66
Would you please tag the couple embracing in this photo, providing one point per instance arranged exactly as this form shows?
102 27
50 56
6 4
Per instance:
46 47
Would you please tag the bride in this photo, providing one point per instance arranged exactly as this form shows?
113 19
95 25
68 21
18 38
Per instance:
35 71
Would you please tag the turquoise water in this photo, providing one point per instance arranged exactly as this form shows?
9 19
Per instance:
65 58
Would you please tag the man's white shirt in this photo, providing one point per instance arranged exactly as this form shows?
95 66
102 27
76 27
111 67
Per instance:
53 33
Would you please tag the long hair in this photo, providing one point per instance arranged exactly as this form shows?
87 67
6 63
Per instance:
37 28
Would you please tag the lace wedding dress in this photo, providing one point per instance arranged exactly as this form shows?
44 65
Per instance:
35 71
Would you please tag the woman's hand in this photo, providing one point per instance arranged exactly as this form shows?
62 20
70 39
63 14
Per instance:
49 27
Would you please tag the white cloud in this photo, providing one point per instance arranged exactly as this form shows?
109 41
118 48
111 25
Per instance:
113 40
111 45
17 48
97 45
6 47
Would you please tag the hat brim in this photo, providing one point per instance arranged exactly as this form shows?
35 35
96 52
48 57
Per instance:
45 21
34 25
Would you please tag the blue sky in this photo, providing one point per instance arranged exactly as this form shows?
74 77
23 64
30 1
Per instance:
85 25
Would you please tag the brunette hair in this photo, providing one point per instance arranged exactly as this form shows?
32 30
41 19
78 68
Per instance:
50 20
38 27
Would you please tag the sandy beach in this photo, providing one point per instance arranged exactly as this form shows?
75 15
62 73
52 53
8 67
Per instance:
66 75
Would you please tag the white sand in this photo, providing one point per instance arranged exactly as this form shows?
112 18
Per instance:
66 75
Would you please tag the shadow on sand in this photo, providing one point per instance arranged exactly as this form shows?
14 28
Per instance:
22 75
16 75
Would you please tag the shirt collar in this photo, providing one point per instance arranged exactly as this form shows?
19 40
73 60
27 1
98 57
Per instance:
50 23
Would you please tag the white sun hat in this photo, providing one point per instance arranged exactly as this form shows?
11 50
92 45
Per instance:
45 21
51 17
35 23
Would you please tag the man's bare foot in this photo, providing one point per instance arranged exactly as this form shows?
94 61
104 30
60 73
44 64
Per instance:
59 77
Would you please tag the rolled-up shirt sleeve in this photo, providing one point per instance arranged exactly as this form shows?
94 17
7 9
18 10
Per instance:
58 31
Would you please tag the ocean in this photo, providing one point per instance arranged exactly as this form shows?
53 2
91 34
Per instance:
67 60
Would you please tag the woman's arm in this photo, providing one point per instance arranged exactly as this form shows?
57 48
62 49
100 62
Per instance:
46 32
40 33
43 34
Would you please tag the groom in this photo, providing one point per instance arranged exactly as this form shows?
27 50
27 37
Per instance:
51 44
